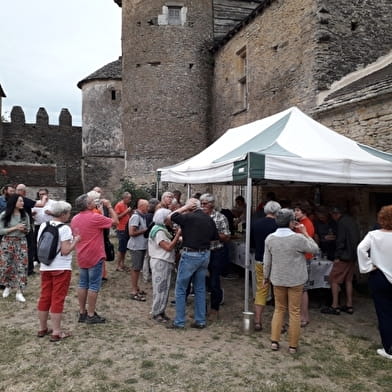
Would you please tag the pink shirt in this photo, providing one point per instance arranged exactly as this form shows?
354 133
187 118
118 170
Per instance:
89 225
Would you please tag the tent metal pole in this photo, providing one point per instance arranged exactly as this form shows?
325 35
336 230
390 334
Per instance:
189 191
247 238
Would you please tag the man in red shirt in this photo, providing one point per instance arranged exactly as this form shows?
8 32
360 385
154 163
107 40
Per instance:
124 211
90 253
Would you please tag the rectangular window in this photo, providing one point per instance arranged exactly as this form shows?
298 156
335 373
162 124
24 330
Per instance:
174 15
242 86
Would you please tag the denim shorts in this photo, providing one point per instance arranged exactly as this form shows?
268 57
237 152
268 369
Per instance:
91 278
123 238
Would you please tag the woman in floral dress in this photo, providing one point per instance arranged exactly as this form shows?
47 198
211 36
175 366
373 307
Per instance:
14 224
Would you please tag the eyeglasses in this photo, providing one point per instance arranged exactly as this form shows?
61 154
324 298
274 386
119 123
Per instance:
205 203
42 194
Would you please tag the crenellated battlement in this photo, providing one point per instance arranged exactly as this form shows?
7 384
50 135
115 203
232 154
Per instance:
40 154
42 118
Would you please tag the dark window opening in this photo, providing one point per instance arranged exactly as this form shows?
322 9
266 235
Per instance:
174 15
113 95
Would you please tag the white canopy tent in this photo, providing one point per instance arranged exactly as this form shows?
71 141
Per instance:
287 146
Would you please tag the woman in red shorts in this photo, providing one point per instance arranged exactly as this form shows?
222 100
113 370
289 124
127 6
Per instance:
56 277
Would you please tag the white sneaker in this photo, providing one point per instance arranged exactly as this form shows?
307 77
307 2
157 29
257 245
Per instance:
6 292
19 297
383 353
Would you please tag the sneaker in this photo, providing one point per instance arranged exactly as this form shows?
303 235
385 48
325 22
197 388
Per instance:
383 353
96 319
82 317
197 325
6 292
19 297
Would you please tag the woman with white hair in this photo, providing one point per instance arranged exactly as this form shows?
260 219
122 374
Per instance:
260 229
161 246
56 277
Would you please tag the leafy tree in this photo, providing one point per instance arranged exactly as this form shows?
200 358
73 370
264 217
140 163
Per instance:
136 192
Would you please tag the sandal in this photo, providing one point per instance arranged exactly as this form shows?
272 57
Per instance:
165 317
44 332
141 292
258 327
160 319
137 297
61 336
275 346
347 309
331 310
292 350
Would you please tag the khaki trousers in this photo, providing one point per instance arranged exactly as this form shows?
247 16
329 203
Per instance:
287 298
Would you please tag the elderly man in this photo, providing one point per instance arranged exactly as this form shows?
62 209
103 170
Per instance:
137 243
217 256
198 230
124 211
259 231
90 254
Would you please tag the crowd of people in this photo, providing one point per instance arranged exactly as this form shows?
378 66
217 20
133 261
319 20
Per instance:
163 236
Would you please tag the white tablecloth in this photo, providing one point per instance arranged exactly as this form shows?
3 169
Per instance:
319 268
319 272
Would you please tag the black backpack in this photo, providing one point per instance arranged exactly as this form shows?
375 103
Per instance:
48 243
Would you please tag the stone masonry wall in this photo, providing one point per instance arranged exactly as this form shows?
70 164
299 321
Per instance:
350 34
166 85
279 45
43 155
103 140
368 122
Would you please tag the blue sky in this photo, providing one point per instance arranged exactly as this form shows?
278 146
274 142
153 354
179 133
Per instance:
48 46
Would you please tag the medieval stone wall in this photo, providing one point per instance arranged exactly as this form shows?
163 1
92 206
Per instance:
167 73
350 34
43 155
276 49
102 140
368 122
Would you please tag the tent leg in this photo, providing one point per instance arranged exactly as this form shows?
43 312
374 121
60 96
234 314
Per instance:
247 241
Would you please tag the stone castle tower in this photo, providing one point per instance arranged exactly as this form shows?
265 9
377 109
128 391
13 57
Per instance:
167 71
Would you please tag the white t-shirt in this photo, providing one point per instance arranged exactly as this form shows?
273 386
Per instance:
156 252
60 262
379 243
40 216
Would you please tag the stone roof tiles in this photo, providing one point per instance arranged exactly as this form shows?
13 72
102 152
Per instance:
112 70
369 86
